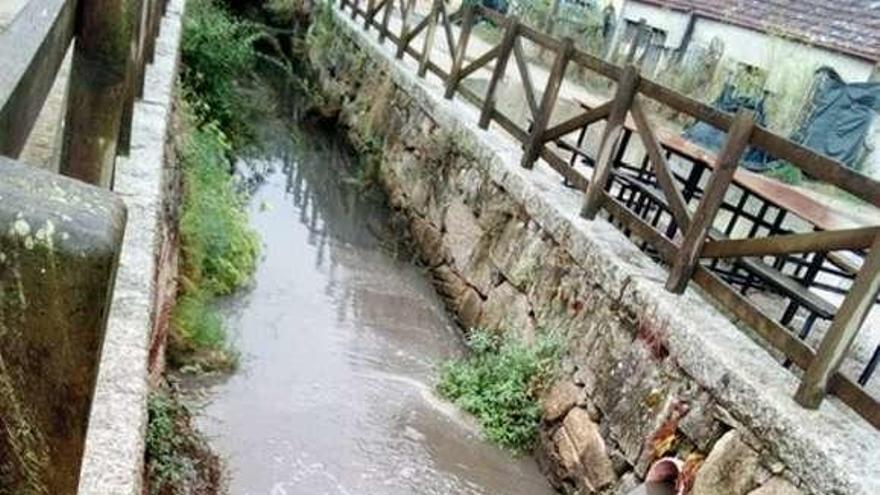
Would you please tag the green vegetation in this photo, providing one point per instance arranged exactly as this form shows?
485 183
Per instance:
218 52
178 460
500 382
219 249
787 173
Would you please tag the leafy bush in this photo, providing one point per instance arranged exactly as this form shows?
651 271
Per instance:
218 245
787 173
217 51
500 383
220 249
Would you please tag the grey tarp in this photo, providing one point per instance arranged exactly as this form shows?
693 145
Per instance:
713 138
837 126
841 117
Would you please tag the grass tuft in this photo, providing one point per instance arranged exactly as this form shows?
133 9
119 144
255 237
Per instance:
500 382
178 460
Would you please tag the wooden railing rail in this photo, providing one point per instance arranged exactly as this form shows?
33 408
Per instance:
112 42
688 232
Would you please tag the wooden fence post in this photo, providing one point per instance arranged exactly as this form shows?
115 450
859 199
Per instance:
138 17
368 19
386 19
404 29
548 102
97 91
689 253
843 331
429 38
510 32
623 98
460 51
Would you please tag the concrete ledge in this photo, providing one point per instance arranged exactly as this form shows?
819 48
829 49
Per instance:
114 452
829 451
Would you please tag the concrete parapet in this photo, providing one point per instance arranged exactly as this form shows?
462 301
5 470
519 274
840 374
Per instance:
59 244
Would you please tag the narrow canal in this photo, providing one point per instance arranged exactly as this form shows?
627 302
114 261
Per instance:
340 340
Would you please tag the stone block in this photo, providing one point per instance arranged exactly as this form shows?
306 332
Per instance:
59 246
561 398
508 310
732 468
596 470
777 486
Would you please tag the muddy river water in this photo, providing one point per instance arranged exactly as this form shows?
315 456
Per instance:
340 342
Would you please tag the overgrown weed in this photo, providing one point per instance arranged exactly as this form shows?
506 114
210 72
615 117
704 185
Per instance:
219 248
178 459
500 382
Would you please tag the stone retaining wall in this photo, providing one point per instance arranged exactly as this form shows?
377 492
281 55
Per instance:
647 373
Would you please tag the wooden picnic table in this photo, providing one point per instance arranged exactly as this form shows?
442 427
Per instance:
781 195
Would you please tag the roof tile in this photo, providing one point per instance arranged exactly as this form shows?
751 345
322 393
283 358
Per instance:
849 26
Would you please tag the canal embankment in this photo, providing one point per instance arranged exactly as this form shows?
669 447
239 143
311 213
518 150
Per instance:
646 374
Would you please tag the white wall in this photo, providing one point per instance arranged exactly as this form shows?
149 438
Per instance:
766 51
671 21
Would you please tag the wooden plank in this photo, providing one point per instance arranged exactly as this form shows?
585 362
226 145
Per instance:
825 241
421 26
138 18
480 62
713 196
371 11
544 41
428 46
386 20
493 15
626 90
597 65
665 248
843 331
667 182
684 104
579 122
506 48
460 51
31 50
856 397
525 76
819 166
777 335
447 29
403 42
571 175
548 103
510 126
97 91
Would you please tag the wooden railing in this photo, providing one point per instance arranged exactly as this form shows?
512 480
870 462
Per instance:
113 41
687 235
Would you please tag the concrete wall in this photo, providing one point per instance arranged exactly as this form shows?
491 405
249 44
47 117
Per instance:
508 250
146 180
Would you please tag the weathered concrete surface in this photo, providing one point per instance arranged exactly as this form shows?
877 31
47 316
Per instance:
42 148
114 453
658 374
59 245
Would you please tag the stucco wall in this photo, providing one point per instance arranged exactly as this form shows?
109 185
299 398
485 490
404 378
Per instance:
508 251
